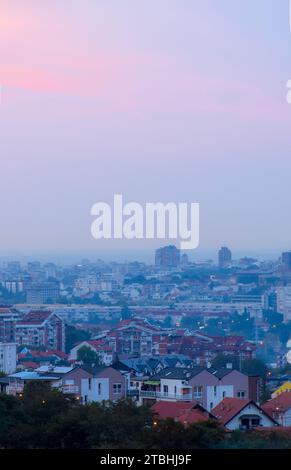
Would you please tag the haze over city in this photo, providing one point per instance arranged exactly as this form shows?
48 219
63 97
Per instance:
161 101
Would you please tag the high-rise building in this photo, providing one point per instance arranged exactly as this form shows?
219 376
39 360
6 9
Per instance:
224 257
41 328
184 259
167 257
286 261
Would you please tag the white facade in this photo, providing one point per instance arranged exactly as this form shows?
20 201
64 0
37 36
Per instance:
250 414
175 389
106 357
284 419
216 393
8 357
94 389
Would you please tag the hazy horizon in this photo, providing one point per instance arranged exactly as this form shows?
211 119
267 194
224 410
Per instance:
164 100
146 256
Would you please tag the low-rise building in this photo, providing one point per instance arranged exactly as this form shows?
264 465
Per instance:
206 386
280 408
106 383
185 413
105 352
235 413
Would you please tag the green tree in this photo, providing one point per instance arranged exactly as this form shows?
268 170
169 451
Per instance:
74 336
254 367
88 357
220 361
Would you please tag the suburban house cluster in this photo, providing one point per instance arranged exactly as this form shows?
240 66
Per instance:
169 370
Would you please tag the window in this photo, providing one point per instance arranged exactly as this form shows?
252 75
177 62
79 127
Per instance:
166 389
69 382
175 390
223 394
211 405
89 384
99 388
197 392
215 390
241 394
117 388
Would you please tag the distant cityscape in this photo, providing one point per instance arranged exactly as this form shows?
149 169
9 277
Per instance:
184 338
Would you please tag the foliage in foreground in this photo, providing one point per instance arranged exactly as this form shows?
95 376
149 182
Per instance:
45 418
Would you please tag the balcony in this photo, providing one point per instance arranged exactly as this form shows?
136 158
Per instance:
70 389
166 396
14 389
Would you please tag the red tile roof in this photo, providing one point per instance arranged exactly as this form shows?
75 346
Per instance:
166 409
281 403
195 416
29 364
228 408
35 318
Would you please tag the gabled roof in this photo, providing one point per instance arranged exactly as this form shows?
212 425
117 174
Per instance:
180 373
228 408
195 415
35 317
167 409
222 372
281 403
187 413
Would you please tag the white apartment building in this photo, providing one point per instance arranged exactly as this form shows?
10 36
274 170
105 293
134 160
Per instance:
8 357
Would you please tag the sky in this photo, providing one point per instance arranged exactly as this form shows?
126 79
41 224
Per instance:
158 100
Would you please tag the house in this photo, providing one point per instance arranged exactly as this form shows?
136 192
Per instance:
50 357
65 379
244 386
41 328
17 381
106 383
105 352
185 413
71 381
237 413
285 387
27 365
4 382
280 408
207 386
164 409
